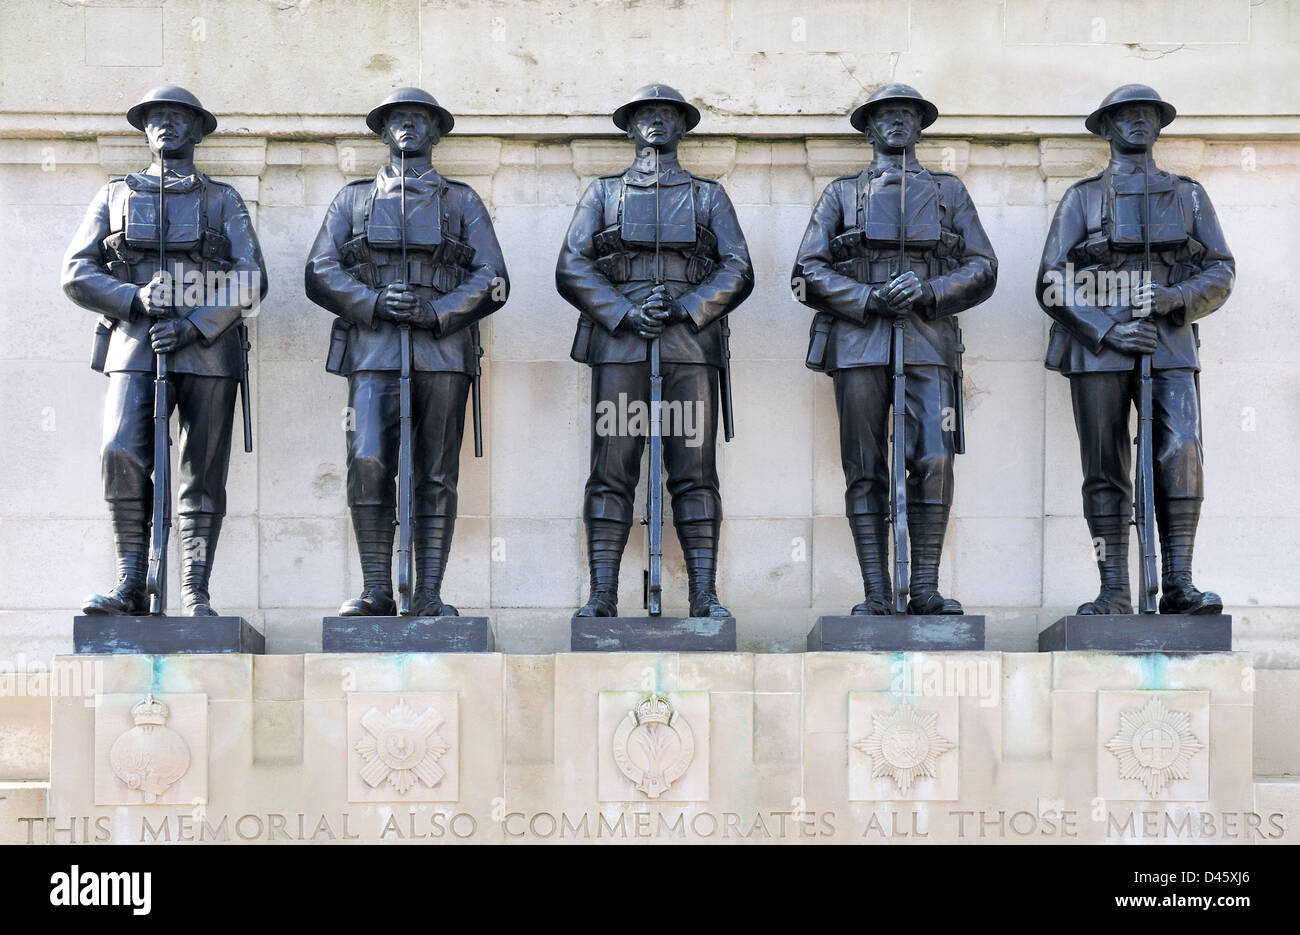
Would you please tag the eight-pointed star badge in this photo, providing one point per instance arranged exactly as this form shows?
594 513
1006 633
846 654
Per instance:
904 746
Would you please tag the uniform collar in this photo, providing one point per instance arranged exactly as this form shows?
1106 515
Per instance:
642 171
1130 166
144 182
880 165
390 171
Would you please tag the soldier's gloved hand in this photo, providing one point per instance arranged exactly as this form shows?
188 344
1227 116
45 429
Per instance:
172 335
661 298
423 316
396 303
648 322
902 291
1132 337
878 303
1160 299
150 297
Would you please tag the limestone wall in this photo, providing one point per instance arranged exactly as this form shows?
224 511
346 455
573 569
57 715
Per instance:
531 85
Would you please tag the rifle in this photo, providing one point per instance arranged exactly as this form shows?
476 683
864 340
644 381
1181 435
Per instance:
475 393
243 388
898 449
654 484
1144 501
405 467
156 583
728 420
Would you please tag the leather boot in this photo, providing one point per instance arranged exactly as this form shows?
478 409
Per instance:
432 545
699 541
605 541
199 533
871 542
373 527
1177 520
1110 539
131 540
926 525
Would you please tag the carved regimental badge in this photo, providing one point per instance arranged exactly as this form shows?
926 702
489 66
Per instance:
401 747
150 757
1154 745
904 746
653 745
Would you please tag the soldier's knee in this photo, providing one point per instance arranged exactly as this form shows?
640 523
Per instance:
932 467
120 459
369 480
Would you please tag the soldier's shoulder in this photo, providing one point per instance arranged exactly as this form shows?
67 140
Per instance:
1082 184
844 184
948 180
704 180
224 187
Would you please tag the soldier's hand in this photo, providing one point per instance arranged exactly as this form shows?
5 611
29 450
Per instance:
153 299
1158 299
903 290
661 299
1132 337
648 322
423 316
397 303
172 335
878 302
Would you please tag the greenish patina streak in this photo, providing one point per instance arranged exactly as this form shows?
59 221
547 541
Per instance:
157 664
1154 672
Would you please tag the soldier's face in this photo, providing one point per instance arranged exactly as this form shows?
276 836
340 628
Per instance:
410 130
1134 127
172 130
657 125
895 125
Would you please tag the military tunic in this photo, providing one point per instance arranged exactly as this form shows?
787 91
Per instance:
850 246
1097 230
606 269
114 253
454 263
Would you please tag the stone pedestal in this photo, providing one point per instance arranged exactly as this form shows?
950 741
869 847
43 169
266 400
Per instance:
1138 633
637 747
898 633
407 635
97 633
653 634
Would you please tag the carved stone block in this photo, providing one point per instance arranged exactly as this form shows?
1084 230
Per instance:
1153 745
403 747
151 749
653 747
902 747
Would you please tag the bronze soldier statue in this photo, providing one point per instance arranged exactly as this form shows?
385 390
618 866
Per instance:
654 260
409 262
870 306
169 307
1157 231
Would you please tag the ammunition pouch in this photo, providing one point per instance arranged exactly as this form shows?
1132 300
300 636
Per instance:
338 345
581 350
620 262
868 261
818 338
442 268
99 347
